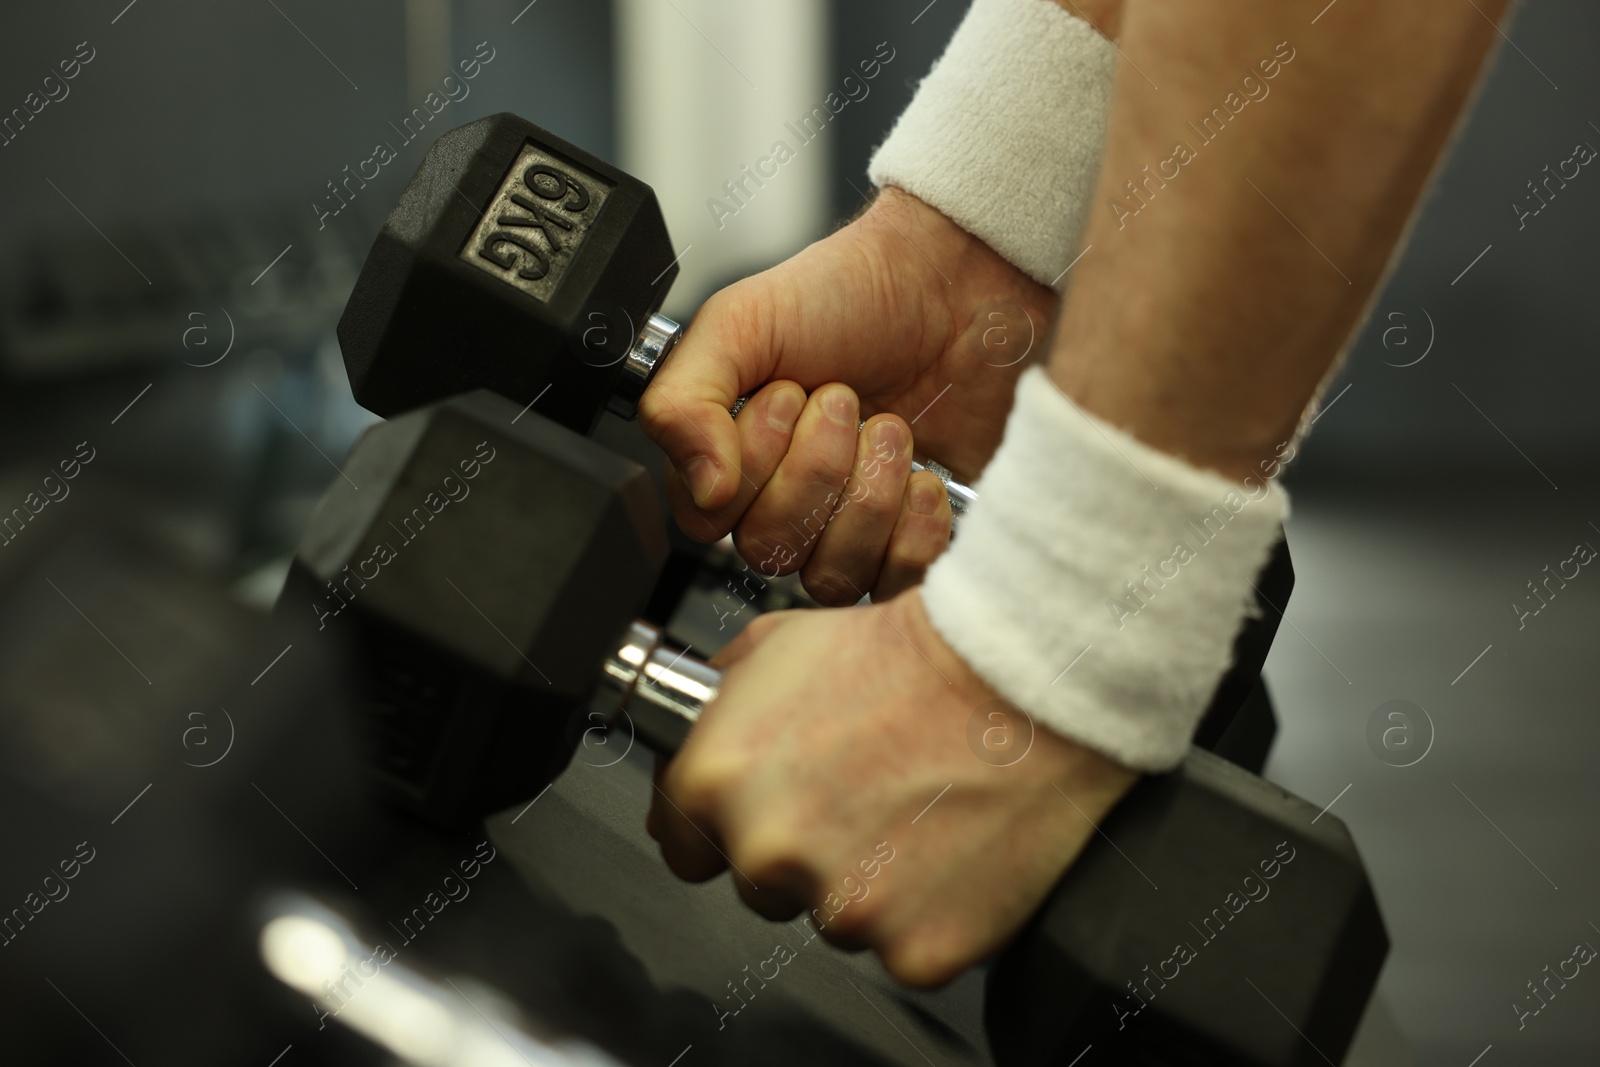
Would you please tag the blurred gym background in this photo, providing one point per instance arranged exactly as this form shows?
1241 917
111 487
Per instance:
171 272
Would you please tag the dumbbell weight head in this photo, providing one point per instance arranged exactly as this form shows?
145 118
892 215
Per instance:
517 262
1217 919
484 568
566 540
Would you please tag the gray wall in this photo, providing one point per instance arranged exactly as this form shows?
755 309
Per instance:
191 105
1517 333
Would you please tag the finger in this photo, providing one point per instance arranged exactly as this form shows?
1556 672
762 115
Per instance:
850 916
653 817
933 958
667 820
850 552
932 931
780 529
685 410
771 879
689 850
921 533
766 426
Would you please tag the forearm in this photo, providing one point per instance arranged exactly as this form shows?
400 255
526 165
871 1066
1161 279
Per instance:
1220 285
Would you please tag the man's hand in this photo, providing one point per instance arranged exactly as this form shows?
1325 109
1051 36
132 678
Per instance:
843 737
899 317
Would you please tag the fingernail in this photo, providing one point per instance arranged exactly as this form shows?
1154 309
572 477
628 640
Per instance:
886 439
925 494
702 476
840 404
784 410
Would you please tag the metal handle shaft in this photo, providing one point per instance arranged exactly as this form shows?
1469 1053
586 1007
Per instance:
962 496
659 690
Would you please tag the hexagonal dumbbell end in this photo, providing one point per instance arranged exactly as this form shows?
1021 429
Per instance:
516 262
485 568
1216 920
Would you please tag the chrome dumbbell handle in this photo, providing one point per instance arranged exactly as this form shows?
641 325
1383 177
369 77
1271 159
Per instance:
650 350
656 690
962 496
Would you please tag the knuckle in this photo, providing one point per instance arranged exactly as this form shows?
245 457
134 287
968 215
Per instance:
810 515
725 307
919 961
817 475
687 863
875 494
774 859
851 923
699 782
737 319
914 553
757 629
699 526
822 453
656 414
830 586
696 524
655 818
770 904
763 547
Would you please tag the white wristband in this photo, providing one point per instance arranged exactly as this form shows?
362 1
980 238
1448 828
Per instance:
1004 135
1097 583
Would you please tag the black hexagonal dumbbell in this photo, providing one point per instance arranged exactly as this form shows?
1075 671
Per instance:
483 562
1215 919
489 568
516 262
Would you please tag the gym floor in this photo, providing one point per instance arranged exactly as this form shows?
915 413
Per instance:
1482 851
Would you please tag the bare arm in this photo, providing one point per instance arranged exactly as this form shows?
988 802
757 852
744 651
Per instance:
1222 284
1202 321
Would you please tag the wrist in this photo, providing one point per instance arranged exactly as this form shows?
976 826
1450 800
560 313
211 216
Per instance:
1094 781
920 238
908 614
1254 441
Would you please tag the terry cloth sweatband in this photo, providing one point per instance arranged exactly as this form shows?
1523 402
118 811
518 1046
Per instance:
1097 583
1004 135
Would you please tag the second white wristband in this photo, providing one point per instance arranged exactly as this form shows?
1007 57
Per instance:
1097 583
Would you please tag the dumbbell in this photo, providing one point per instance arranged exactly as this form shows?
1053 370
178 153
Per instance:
490 570
517 262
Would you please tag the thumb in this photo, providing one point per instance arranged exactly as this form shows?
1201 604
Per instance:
685 410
